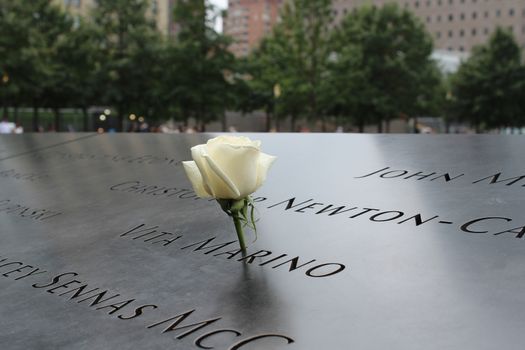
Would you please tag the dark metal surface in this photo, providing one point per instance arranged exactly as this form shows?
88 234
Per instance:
450 278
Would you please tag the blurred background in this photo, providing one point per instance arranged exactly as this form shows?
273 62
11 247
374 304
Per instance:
406 66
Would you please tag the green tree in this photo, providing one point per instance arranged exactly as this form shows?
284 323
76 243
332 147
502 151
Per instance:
295 56
204 80
382 66
265 67
129 47
31 32
488 88
79 57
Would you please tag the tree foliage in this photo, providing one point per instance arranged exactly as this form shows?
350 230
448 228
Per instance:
487 90
295 57
372 67
206 68
382 67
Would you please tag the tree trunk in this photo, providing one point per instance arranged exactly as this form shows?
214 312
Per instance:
294 117
120 122
416 130
387 126
361 126
447 126
477 128
380 126
223 122
57 119
36 122
15 113
323 123
85 119
268 121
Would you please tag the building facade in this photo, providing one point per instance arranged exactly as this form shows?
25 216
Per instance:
248 21
455 25
161 11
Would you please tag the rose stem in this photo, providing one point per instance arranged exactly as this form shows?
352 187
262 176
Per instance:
240 233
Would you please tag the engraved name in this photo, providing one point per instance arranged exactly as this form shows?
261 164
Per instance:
211 246
40 214
188 324
497 178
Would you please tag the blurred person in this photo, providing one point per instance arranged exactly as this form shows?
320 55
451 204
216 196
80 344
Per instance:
304 129
339 129
6 127
19 129
143 127
232 128
165 129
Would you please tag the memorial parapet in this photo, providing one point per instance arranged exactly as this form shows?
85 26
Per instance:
364 242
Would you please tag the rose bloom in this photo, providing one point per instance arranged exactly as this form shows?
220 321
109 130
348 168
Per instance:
227 167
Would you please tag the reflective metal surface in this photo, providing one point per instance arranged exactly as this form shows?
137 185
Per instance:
427 228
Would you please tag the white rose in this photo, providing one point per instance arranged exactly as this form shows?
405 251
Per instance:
227 167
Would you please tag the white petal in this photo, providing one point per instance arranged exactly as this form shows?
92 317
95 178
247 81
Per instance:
197 153
193 173
264 164
238 164
215 181
220 178
234 141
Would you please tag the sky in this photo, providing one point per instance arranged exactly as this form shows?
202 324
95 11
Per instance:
221 4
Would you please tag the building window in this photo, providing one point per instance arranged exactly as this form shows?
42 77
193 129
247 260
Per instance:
75 3
511 29
474 15
511 12
438 34
449 48
450 17
461 33
416 4
474 32
450 34
462 16
154 7
439 18
429 2
439 2
487 14
498 13
76 22
461 48
429 19
486 31
450 2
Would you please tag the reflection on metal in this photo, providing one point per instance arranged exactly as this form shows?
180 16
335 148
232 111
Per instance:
103 245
